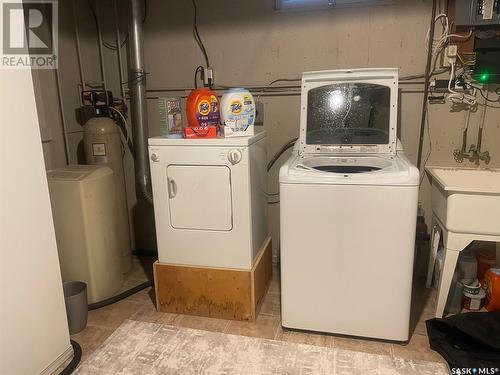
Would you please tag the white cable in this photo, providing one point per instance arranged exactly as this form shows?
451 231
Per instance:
457 97
125 123
439 43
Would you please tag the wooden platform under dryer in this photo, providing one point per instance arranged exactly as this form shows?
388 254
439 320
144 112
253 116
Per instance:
214 292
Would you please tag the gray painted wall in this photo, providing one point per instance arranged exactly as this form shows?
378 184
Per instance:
251 44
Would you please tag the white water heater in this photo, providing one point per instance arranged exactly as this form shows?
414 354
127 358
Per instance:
103 146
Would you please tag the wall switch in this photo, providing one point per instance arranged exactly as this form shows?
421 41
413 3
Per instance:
259 113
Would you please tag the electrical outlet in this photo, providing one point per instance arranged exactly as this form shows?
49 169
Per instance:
259 113
450 54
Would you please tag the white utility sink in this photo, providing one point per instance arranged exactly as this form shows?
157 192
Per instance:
466 200
465 208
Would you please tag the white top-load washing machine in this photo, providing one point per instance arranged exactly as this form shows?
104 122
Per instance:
348 210
210 200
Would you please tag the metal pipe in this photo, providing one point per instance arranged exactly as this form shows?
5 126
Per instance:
260 94
257 95
99 39
63 118
466 129
77 44
427 83
138 100
119 49
481 124
254 88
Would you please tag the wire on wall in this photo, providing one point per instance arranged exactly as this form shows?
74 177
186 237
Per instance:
196 34
439 43
427 74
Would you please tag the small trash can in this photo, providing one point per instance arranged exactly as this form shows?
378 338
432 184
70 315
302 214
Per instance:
75 297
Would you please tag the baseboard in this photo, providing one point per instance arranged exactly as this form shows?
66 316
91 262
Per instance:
54 366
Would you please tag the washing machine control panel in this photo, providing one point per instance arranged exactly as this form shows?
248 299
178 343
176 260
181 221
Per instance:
234 156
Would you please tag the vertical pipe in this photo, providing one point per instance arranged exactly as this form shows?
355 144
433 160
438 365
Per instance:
481 124
427 82
466 129
138 104
77 43
63 118
99 39
119 49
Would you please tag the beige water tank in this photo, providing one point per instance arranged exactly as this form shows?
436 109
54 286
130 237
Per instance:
84 211
103 146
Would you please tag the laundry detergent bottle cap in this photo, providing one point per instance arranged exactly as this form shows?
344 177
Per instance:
202 108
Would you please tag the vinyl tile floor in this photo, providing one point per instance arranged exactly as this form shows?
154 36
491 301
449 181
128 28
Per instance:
140 306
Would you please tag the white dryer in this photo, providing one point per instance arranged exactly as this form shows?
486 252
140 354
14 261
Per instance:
348 210
209 200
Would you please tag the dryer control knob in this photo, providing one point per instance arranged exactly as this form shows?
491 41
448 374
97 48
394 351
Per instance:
155 156
234 156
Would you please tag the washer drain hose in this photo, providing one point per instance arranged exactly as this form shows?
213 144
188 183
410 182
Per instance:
276 156
77 356
119 297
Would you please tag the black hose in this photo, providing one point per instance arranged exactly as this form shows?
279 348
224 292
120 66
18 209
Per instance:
77 356
119 297
276 156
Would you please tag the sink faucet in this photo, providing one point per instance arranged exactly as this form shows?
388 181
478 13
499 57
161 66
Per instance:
475 155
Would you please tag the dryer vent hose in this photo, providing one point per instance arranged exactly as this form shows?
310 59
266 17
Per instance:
276 156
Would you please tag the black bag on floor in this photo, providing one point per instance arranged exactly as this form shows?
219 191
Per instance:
470 340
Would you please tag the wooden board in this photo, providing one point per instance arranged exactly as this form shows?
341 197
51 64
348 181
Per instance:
214 292
261 275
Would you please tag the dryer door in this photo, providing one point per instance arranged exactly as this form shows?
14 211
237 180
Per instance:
200 197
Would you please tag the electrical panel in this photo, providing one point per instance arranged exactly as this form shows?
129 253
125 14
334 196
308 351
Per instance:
487 66
477 12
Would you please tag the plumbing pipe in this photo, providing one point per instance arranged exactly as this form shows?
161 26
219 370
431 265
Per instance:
118 49
78 48
138 100
63 117
254 88
427 76
481 125
99 39
464 136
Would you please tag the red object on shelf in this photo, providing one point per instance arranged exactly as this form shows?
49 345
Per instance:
485 260
492 281
200 132
203 114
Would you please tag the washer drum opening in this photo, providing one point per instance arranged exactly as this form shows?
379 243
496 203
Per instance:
346 168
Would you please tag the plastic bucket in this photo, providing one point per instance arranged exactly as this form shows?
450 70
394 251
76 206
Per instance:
75 297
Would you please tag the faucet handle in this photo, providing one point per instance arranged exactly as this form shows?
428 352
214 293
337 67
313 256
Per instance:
458 155
486 157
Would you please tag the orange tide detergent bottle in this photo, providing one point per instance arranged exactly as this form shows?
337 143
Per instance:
203 114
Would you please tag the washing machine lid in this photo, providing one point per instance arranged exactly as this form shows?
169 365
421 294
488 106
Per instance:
349 112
